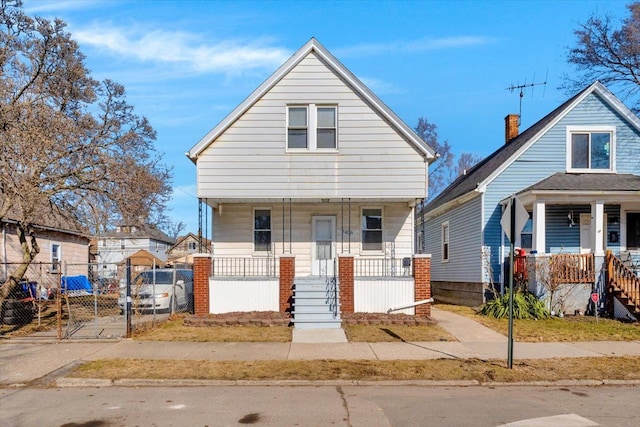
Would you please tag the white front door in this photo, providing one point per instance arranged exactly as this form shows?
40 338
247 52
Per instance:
587 240
323 229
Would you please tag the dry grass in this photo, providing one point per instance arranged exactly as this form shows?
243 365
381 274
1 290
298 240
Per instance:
569 328
621 368
174 329
395 333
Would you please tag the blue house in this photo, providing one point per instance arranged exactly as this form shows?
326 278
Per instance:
577 173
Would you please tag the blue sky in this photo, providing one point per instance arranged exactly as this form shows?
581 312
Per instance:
187 64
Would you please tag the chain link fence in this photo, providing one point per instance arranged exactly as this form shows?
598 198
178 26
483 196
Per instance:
90 300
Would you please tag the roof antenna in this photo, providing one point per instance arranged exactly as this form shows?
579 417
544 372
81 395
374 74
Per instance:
521 88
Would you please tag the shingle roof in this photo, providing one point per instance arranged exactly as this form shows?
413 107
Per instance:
483 170
587 182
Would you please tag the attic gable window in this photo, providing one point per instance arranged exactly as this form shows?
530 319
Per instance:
312 127
590 150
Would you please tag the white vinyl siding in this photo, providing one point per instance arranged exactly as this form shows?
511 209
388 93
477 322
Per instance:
250 159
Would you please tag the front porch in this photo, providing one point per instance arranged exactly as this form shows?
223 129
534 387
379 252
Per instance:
361 285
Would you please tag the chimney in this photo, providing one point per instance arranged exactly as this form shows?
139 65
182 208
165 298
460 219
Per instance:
511 123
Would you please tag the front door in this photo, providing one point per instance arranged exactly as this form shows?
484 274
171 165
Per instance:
587 240
323 229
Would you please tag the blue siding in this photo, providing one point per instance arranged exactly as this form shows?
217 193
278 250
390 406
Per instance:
548 156
465 248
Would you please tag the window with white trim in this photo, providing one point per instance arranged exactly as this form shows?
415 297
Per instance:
262 230
445 241
192 246
312 127
372 229
55 257
590 149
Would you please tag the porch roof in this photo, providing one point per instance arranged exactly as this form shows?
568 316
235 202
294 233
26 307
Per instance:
586 186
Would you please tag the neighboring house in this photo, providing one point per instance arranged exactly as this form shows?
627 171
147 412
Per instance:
115 246
577 173
59 247
312 165
186 246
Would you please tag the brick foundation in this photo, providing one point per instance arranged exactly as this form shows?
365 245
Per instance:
345 275
287 276
422 283
201 273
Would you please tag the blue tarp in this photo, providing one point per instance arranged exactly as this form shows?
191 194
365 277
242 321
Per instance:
76 285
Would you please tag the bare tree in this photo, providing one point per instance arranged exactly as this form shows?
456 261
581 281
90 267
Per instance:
72 150
609 54
465 162
442 172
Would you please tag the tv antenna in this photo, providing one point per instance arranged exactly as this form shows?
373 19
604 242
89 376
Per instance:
521 89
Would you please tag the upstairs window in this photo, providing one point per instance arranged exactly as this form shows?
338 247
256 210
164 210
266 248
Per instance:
372 230
590 150
262 230
297 128
192 246
326 131
312 127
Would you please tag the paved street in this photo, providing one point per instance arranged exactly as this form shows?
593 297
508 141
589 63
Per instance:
368 406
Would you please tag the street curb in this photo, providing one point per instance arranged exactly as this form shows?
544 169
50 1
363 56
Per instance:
130 382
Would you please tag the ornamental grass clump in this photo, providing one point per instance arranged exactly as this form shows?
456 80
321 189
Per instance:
525 306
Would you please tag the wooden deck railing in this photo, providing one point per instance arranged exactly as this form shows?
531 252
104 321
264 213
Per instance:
623 279
566 268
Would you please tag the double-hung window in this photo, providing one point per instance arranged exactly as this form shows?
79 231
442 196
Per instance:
445 241
261 230
55 257
372 230
312 127
590 150
192 246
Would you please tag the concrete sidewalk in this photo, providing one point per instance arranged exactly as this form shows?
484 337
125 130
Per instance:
22 361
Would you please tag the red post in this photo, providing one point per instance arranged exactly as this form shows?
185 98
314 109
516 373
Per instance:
345 275
287 277
422 283
201 273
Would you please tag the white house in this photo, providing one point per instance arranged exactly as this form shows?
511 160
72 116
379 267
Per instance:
312 165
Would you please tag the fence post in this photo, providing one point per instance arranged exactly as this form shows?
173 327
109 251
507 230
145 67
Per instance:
287 277
346 277
422 283
201 272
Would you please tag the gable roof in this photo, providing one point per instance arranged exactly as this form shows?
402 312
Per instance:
205 242
485 171
144 231
356 85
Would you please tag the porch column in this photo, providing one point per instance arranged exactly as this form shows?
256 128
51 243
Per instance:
422 283
539 227
287 277
346 277
201 273
597 227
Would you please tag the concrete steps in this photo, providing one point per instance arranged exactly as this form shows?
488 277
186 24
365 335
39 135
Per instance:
316 304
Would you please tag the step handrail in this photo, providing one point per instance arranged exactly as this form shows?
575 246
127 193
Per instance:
622 278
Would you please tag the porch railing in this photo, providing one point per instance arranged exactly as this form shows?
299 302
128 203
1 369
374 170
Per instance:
623 279
574 268
245 267
382 267
565 268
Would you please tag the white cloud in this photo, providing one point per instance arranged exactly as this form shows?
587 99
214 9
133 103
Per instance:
181 48
426 44
36 7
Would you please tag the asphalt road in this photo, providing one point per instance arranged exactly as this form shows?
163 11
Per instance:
321 405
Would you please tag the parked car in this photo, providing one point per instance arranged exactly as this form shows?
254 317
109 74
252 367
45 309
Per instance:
166 290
